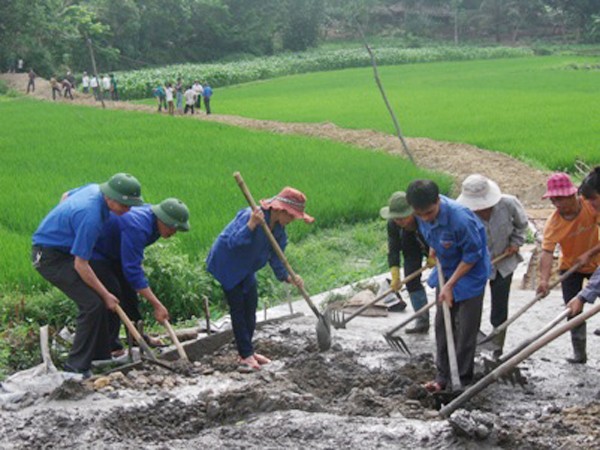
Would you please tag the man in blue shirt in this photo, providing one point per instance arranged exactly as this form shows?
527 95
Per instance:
240 251
119 254
458 240
207 95
62 247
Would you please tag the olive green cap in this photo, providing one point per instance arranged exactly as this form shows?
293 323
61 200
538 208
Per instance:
173 213
124 189
398 207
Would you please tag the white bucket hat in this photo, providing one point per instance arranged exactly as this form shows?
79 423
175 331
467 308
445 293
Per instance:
479 192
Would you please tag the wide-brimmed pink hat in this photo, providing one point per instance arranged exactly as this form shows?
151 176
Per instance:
559 185
290 200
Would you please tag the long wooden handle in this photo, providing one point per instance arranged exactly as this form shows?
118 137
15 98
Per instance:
134 332
506 367
182 354
274 243
528 305
449 333
206 313
409 278
563 315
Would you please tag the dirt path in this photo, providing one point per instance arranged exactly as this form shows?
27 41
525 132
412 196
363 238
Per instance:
456 159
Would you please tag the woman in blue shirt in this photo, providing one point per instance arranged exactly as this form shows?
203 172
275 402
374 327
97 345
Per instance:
240 251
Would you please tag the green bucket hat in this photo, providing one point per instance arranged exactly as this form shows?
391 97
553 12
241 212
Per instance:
123 188
398 207
173 213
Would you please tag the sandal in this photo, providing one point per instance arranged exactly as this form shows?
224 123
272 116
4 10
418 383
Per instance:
154 342
433 387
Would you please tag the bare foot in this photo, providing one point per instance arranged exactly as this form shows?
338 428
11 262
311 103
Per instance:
262 360
249 364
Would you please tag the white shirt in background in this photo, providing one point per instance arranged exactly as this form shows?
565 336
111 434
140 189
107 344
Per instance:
85 81
190 96
169 92
106 83
94 82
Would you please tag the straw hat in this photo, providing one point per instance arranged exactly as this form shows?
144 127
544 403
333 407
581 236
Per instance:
479 192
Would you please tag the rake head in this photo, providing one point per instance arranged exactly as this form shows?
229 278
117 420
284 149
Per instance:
337 317
514 376
397 343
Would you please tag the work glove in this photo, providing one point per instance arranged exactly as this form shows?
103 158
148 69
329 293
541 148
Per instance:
395 283
430 262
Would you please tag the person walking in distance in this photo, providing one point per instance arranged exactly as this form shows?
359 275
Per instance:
208 93
190 99
31 81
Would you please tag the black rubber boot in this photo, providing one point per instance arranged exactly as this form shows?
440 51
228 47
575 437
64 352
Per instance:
578 339
498 342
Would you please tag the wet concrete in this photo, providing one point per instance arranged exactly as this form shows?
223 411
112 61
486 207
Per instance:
361 394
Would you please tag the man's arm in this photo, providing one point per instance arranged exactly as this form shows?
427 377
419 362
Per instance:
87 274
446 292
545 269
160 312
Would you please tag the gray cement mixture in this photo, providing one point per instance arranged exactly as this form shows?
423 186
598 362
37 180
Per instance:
359 394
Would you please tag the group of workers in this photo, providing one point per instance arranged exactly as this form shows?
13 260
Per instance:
481 226
91 246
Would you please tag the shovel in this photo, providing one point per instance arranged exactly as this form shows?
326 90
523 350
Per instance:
454 377
525 307
508 365
338 319
140 340
323 324
182 354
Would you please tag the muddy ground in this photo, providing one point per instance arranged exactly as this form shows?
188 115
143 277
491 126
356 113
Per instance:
359 394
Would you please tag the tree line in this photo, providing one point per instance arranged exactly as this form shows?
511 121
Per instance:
51 35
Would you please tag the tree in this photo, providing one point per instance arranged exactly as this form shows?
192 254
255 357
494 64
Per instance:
303 25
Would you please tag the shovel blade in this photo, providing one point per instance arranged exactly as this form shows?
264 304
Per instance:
324 331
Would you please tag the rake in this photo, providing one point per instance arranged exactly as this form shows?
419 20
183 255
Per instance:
338 317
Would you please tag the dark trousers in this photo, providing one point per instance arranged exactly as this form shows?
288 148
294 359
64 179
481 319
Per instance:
199 102
570 288
54 91
207 105
187 108
110 273
466 318
67 93
91 333
500 288
31 86
243 300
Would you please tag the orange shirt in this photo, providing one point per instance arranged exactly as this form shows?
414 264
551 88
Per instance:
574 236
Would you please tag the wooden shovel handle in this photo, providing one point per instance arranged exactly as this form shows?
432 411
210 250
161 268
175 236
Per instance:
274 243
134 332
182 354
456 385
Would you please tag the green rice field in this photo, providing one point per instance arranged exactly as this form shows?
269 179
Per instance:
542 109
49 148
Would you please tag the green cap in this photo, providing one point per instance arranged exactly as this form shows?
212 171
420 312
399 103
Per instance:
398 207
173 213
123 188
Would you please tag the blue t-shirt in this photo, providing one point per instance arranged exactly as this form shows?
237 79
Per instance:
458 235
239 253
208 92
124 239
74 225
